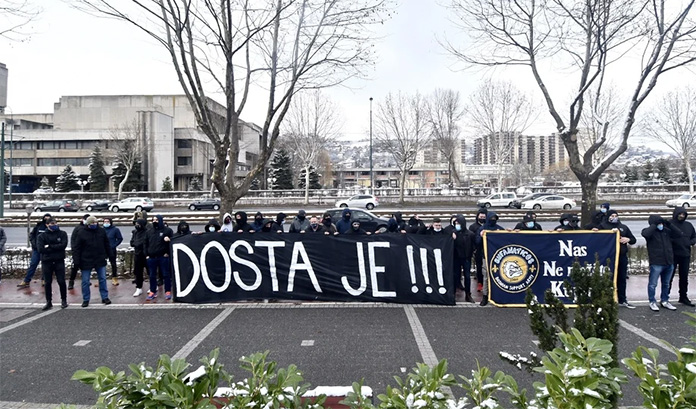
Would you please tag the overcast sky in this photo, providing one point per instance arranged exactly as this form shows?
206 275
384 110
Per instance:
71 53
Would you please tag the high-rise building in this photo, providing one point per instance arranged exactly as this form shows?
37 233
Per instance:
513 148
3 87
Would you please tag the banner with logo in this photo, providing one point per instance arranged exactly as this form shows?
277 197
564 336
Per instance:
517 261
401 268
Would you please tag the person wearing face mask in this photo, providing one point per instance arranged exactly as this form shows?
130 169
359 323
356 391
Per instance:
436 228
137 241
327 224
528 223
567 222
51 245
626 238
73 268
258 222
115 238
241 225
416 225
212 227
478 251
267 226
182 229
315 226
157 256
449 229
604 208
355 229
658 240
279 222
90 252
490 225
343 225
463 249
40 227
682 253
228 223
300 224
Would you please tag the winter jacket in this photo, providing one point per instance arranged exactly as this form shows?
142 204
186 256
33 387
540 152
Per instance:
91 248
415 226
327 223
596 222
359 231
113 233
182 229
572 222
240 223
400 222
682 245
38 229
475 226
230 226
490 225
300 223
624 231
464 240
214 224
526 219
56 241
278 224
257 225
155 246
137 240
343 225
659 243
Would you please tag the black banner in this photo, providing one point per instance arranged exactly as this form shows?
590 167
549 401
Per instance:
517 261
220 267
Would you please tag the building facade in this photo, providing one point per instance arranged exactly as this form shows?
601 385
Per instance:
512 148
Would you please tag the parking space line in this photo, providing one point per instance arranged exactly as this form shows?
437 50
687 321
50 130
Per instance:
646 336
426 350
29 405
27 320
186 350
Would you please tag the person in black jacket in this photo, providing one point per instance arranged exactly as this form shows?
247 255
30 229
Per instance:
682 253
478 251
157 256
343 225
463 249
90 251
528 223
213 226
267 226
115 237
182 229
315 226
435 229
355 229
51 244
241 225
73 268
327 224
596 222
300 224
658 240
401 224
137 241
626 237
568 221
279 221
416 225
490 225
35 255
258 221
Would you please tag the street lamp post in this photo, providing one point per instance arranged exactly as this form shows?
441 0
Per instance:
372 178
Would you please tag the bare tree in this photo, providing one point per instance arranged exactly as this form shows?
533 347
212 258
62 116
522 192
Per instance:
444 113
500 112
313 122
673 122
599 121
401 129
590 36
15 16
127 151
232 48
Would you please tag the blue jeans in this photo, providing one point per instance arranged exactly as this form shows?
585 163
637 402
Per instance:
664 273
35 258
101 275
163 263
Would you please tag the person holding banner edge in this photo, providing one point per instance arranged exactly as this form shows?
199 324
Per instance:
478 247
626 238
463 250
490 225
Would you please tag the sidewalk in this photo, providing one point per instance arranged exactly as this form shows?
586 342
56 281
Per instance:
636 292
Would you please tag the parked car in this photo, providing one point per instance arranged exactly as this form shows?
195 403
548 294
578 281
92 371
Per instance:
205 203
686 200
517 203
549 202
133 204
368 221
43 190
503 199
61 205
97 205
368 202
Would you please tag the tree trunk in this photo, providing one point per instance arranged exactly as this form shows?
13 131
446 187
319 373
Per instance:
402 186
123 183
306 187
689 173
454 175
589 198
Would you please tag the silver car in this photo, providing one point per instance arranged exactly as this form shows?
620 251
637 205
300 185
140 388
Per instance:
368 202
133 204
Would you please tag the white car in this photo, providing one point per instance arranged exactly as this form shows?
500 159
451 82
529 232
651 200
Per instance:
368 202
686 200
549 202
504 199
133 204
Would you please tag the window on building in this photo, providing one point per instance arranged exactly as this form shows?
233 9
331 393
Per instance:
16 162
62 161
184 144
184 161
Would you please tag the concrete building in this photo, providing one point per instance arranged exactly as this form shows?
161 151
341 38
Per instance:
537 152
163 126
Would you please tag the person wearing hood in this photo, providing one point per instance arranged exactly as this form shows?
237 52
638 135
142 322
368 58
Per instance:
435 229
278 224
449 229
267 226
257 225
478 251
596 222
115 237
604 208
490 225
140 215
343 225
416 225
51 245
300 224
682 253
401 224
355 229
182 229
528 223
40 227
567 221
392 226
241 225
658 240
157 256
73 267
626 238
137 241
213 226
463 250
228 222
90 251
327 224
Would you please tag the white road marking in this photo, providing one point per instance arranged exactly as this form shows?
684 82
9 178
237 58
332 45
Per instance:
307 343
186 350
82 342
27 320
646 336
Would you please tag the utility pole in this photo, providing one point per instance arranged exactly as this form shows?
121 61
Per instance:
2 170
372 178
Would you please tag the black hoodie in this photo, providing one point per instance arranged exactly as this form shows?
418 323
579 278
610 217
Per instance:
400 222
415 226
596 222
464 240
258 223
327 223
572 222
357 231
475 226
155 245
137 240
528 217
214 224
241 222
682 245
659 243
490 225
623 230
267 226
38 229
182 229
278 224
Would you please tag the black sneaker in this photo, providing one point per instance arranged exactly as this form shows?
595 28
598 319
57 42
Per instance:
85 304
686 302
47 307
106 301
484 301
468 298
71 284
64 304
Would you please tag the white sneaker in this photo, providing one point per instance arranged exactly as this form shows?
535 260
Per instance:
138 291
654 307
627 305
669 306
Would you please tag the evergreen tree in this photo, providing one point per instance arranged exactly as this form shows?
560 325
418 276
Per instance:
631 174
67 180
167 184
98 179
313 179
195 184
648 168
254 184
134 179
684 176
281 171
663 171
44 183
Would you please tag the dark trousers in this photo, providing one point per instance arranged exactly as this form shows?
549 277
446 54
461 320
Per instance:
112 261
681 266
139 265
478 261
58 268
462 264
621 275
73 271
162 264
